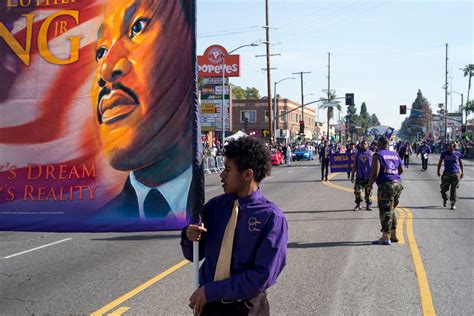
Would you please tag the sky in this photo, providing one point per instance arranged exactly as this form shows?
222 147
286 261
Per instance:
382 51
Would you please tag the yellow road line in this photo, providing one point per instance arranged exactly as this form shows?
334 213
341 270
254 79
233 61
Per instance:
138 289
119 312
401 220
424 288
425 293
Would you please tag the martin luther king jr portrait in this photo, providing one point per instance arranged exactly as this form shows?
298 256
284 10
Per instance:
143 95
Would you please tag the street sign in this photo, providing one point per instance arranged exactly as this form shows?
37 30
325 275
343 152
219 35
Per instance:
327 104
214 80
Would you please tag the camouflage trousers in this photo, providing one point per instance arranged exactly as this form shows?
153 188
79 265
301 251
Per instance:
450 180
388 195
358 186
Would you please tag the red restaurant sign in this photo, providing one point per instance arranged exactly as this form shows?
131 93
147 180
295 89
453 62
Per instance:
210 64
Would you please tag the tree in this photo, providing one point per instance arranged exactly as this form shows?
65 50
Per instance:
351 119
237 92
417 124
331 108
252 93
374 120
469 107
468 72
364 117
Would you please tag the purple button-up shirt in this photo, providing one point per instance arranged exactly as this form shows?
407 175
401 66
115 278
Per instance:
259 250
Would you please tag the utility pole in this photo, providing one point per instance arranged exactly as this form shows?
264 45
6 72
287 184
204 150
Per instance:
329 90
446 101
302 73
269 85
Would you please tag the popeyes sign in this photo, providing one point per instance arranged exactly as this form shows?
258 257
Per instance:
210 64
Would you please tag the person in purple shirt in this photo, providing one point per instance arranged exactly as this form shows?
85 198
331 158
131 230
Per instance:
260 238
452 174
386 171
425 150
324 158
362 168
404 152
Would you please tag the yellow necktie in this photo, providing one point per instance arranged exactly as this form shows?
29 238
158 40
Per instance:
225 254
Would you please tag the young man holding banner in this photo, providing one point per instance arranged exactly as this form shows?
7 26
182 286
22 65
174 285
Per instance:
242 238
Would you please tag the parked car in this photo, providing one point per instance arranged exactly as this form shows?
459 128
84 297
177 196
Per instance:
277 157
304 154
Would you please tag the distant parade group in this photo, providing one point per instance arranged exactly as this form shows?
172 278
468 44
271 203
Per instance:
378 164
381 162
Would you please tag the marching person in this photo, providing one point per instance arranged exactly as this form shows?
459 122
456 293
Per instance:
351 149
362 167
452 174
425 150
243 237
288 155
386 171
324 157
404 152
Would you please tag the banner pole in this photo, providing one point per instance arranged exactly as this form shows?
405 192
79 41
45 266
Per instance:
196 263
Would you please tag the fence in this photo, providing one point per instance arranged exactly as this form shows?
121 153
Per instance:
212 165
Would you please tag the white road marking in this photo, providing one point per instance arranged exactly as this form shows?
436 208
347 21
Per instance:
37 248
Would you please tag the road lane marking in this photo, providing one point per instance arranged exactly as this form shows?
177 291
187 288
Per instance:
37 248
119 312
424 288
425 293
401 220
138 289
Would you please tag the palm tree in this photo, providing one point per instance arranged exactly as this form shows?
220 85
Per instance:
469 108
331 109
468 71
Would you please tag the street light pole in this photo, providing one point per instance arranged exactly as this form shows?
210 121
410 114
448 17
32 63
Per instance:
275 105
462 105
301 73
223 56
446 101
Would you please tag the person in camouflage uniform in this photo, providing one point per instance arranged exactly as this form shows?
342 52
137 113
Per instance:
361 168
386 170
452 175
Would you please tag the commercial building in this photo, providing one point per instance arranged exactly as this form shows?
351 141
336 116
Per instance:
251 116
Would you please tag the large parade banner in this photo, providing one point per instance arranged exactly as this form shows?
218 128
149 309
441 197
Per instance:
99 119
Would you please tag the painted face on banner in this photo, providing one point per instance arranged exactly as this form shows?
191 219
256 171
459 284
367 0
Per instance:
144 82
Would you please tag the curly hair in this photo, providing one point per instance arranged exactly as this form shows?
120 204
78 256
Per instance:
250 153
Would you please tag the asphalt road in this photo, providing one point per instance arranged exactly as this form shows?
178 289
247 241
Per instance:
332 267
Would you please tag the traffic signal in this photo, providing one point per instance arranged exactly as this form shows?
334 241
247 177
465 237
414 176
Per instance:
301 127
463 128
403 109
349 98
